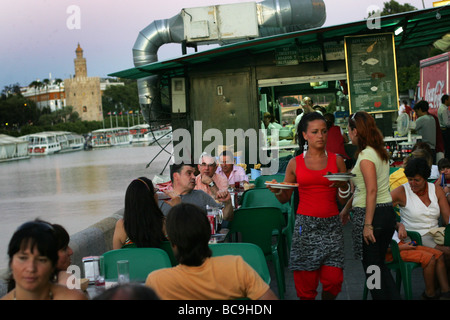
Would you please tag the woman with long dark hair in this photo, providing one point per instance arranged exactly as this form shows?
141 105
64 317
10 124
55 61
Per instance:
143 222
317 252
373 214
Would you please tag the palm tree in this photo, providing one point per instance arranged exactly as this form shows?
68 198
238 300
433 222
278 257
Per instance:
36 85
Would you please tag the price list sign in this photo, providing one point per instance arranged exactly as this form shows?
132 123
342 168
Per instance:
371 73
287 56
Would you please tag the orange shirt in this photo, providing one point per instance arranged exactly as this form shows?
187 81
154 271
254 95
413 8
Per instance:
218 278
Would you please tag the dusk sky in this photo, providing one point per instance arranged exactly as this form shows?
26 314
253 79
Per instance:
36 39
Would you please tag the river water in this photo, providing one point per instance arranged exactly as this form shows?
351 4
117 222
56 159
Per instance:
74 189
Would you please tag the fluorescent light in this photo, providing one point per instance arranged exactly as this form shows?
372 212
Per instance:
398 31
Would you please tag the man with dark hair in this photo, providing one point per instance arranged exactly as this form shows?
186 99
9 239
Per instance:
443 115
198 276
229 170
183 182
426 126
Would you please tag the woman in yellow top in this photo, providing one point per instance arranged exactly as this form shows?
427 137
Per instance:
373 217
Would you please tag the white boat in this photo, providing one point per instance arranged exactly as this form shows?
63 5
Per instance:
12 148
141 134
111 137
162 134
42 143
69 141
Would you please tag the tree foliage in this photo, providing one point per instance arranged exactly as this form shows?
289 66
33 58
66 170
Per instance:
408 77
16 111
393 7
20 116
121 98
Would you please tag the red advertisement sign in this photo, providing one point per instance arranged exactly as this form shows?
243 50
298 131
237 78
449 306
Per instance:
434 80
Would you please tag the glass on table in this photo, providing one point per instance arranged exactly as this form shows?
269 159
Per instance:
123 272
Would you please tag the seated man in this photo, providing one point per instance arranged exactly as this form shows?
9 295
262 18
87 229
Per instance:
229 170
198 275
208 180
183 183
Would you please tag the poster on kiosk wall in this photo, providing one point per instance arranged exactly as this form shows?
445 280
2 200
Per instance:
434 80
371 73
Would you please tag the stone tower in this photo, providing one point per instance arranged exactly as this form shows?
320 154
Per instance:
80 63
82 92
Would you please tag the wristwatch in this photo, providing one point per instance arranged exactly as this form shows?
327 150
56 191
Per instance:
212 184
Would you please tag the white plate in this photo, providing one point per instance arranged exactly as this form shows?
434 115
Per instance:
339 177
281 186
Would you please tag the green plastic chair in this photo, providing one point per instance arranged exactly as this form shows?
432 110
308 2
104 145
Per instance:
260 181
402 268
447 236
142 261
261 226
263 197
251 253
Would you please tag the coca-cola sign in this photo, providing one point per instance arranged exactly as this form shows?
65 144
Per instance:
434 80
434 93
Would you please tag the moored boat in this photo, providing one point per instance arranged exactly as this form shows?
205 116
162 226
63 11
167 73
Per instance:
111 137
161 134
12 148
42 143
69 141
141 134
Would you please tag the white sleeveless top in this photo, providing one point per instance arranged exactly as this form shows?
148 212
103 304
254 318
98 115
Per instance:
416 216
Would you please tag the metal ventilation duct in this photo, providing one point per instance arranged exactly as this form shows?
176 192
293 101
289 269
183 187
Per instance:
272 17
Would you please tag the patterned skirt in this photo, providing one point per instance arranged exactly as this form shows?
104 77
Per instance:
317 242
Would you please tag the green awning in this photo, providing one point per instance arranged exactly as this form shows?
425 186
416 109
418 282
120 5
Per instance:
420 28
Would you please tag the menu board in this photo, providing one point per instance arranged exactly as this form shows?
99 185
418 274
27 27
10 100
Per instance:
371 73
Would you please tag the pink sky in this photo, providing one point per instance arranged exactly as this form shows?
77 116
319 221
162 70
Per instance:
36 41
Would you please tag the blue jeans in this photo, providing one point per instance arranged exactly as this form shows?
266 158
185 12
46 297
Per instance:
375 253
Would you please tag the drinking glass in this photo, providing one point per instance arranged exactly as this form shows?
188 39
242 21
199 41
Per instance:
123 272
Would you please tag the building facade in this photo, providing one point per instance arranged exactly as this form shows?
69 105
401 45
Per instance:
46 94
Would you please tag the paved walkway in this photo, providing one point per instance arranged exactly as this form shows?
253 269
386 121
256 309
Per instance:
352 288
